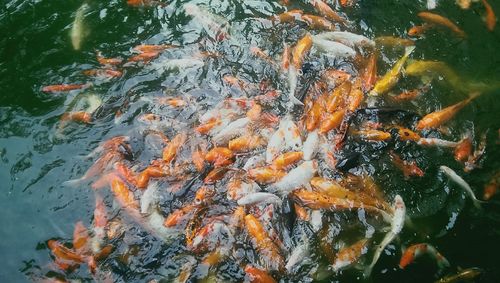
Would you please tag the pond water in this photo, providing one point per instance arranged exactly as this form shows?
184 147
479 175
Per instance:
39 153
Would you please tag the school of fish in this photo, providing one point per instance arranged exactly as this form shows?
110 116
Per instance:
267 178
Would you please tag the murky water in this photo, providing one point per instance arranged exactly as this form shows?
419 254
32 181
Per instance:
38 156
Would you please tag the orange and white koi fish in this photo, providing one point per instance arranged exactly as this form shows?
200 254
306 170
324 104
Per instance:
490 18
64 87
103 73
373 135
268 250
442 21
414 251
409 169
349 255
246 143
440 117
436 142
397 223
287 159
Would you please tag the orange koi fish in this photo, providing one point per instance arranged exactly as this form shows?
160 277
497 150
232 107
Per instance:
288 17
373 135
256 51
220 156
246 143
325 10
170 151
144 57
419 30
77 116
407 95
266 175
287 159
215 175
106 73
491 188
209 125
414 251
64 257
172 101
338 97
285 57
123 195
369 75
64 87
178 216
409 168
198 157
256 275
266 247
146 48
80 238
356 96
405 134
463 150
334 77
331 121
490 19
151 171
107 61
300 51
442 21
438 118
316 22
314 114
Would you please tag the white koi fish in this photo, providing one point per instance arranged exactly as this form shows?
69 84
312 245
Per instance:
297 177
461 182
78 29
311 145
332 48
259 197
347 38
232 130
398 221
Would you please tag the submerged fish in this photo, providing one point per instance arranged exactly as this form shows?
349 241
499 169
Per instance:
465 275
442 21
397 224
461 182
79 30
414 251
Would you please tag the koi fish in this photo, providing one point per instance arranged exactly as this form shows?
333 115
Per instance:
77 116
311 145
348 39
390 79
373 135
78 29
266 175
409 168
259 197
464 4
316 22
268 250
325 10
297 177
64 87
170 151
438 118
332 48
463 150
392 41
300 50
442 21
256 275
414 251
369 75
490 19
232 130
220 156
106 73
465 275
349 255
436 142
288 16
491 188
397 224
107 61
419 30
461 182
147 48
299 253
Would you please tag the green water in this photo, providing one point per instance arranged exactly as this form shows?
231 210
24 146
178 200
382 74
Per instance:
36 50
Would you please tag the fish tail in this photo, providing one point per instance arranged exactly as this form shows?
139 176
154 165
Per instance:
74 182
409 50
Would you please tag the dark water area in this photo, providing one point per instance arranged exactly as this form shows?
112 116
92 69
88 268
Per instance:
37 156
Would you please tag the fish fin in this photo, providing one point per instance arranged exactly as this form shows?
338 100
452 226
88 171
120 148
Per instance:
294 100
409 50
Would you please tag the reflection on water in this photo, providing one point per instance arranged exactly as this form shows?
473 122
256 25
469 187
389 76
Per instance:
152 71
